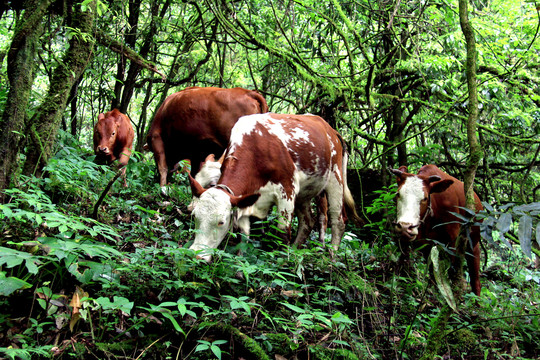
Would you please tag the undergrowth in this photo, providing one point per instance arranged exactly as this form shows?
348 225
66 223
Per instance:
125 285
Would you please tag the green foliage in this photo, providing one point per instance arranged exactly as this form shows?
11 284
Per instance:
388 76
500 225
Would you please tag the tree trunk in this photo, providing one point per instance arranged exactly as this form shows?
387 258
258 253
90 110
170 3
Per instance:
46 121
21 65
475 151
74 123
436 335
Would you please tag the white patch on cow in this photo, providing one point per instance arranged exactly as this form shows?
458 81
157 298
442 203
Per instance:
270 194
212 219
333 151
244 126
207 176
408 202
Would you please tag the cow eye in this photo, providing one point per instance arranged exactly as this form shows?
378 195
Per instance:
221 223
113 133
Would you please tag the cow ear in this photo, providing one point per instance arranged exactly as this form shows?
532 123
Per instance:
244 201
196 188
211 158
101 116
440 186
403 168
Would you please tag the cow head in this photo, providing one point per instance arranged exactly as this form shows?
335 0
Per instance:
105 134
213 215
413 200
208 176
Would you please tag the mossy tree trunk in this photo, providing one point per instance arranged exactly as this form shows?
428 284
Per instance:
21 73
438 331
46 121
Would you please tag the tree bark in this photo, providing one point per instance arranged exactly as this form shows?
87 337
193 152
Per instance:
46 121
436 335
21 66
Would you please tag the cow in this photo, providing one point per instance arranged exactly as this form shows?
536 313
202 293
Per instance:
275 159
425 203
210 172
113 139
196 122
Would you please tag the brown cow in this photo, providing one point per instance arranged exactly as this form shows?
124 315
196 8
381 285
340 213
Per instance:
424 205
273 159
196 122
113 139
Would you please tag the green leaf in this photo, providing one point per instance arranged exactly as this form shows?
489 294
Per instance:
8 285
503 225
167 314
538 233
216 350
525 234
294 308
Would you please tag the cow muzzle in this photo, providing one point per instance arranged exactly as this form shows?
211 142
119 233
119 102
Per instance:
406 230
103 150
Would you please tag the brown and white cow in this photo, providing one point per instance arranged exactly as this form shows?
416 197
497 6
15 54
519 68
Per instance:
113 138
425 203
210 172
275 159
196 122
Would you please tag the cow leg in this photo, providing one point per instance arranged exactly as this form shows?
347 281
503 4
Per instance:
158 149
123 161
334 193
322 215
285 208
305 222
473 262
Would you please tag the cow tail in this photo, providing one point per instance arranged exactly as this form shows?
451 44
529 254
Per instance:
263 106
348 200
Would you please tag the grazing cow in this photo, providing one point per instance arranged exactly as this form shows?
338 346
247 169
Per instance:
210 172
274 159
424 205
113 139
196 122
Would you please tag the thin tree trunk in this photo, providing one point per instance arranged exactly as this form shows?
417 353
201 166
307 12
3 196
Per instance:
21 73
74 123
46 121
475 150
436 335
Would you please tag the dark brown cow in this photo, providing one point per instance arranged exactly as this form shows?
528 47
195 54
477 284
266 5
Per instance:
273 159
113 138
424 205
196 122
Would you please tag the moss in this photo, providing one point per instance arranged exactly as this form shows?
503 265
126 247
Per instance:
247 346
322 353
462 340
281 341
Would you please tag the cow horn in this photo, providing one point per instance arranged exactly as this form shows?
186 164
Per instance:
196 188
395 172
